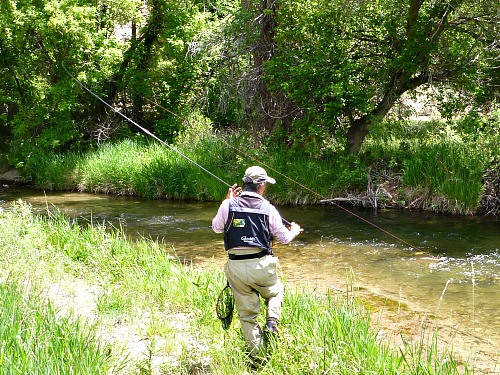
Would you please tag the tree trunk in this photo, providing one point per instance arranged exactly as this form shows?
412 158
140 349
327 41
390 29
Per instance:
267 109
356 135
401 80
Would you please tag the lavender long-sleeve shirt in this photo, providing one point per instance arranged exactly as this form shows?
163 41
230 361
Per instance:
278 230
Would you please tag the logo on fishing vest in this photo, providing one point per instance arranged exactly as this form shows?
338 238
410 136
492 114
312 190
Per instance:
239 223
247 239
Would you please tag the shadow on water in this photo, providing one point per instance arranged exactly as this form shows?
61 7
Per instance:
452 272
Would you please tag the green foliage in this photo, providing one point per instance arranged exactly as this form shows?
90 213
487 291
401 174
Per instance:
35 340
137 168
441 158
123 54
35 40
444 159
156 171
347 63
337 66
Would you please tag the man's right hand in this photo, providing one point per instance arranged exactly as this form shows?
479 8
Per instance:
295 228
234 191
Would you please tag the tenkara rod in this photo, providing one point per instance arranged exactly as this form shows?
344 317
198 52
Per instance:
146 131
299 184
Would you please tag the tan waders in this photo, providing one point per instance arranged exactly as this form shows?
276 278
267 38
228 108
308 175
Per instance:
250 278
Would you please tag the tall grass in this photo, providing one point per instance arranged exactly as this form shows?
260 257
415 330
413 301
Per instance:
133 167
35 340
438 159
452 169
169 306
437 165
150 170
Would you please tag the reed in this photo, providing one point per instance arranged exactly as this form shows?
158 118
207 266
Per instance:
163 301
443 163
448 168
54 171
135 167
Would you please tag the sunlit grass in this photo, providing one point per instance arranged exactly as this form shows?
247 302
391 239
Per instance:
452 169
36 340
437 159
170 305
152 170
442 163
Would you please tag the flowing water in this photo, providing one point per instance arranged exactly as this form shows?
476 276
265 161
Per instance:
451 275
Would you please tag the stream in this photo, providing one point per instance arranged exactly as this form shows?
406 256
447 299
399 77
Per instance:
450 276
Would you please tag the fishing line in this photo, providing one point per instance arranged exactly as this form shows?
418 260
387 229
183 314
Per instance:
241 152
285 222
144 129
329 201
297 183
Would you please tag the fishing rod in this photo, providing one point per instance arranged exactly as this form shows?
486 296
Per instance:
299 184
146 131
330 201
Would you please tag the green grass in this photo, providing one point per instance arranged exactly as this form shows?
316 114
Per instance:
441 164
154 171
169 307
452 169
35 340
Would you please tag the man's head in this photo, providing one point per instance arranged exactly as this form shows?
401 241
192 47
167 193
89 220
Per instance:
255 179
257 175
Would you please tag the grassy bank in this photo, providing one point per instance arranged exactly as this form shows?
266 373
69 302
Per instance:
425 165
133 308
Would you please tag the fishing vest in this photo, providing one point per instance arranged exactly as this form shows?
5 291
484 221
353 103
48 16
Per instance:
248 225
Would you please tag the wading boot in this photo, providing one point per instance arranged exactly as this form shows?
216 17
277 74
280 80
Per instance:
271 326
270 336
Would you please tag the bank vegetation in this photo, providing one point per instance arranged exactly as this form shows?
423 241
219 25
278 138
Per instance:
329 85
81 298
432 165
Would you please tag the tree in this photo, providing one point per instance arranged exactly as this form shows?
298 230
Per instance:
123 51
155 68
269 107
36 38
238 49
348 62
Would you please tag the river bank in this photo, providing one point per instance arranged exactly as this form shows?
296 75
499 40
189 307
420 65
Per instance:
446 178
412 293
119 288
390 193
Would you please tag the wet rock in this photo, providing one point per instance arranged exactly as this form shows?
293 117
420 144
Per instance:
13 177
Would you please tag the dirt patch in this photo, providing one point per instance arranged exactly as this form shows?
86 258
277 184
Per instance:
130 336
13 177
399 324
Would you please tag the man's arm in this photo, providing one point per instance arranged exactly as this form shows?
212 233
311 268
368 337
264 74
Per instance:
219 221
283 234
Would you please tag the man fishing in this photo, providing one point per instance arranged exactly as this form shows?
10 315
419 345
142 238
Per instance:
249 222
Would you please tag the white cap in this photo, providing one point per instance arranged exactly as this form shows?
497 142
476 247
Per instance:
257 175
